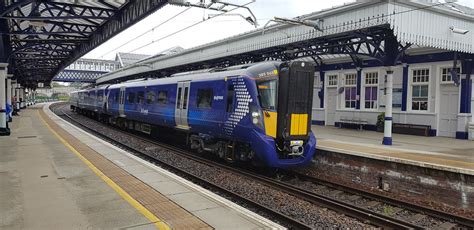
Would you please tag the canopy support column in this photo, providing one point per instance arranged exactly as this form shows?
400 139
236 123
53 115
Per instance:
9 98
387 135
4 130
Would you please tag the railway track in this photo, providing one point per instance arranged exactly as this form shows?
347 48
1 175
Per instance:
400 204
368 216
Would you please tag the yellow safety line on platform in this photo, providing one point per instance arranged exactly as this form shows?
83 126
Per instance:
150 216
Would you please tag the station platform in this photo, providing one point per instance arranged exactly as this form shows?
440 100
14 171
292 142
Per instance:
447 154
56 176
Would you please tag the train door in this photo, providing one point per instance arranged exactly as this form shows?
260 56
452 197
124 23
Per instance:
230 99
182 104
122 102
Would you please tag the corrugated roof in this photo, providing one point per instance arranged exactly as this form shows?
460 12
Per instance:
126 59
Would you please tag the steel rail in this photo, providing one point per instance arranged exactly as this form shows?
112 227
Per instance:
388 200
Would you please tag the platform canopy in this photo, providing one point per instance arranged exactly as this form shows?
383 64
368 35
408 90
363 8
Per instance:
40 38
380 30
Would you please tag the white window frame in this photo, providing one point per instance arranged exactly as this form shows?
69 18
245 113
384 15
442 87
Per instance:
365 85
345 85
412 83
329 80
440 74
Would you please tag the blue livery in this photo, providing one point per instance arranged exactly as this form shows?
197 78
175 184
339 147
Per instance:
249 113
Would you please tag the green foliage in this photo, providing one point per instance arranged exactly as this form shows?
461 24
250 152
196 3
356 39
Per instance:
380 120
388 210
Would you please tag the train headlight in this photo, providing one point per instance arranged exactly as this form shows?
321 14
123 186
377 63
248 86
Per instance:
255 121
256 116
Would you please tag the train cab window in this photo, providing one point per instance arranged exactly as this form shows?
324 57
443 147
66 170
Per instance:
131 98
141 97
162 97
267 94
204 98
230 98
150 97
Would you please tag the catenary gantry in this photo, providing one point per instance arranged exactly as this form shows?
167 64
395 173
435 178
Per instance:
40 38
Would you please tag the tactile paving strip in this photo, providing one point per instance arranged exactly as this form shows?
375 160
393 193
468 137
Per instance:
165 209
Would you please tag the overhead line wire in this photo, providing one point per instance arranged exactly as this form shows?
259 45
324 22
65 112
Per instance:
150 30
185 28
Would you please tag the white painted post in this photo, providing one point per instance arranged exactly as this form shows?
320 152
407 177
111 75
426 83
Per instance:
22 96
18 95
471 124
387 135
4 131
9 97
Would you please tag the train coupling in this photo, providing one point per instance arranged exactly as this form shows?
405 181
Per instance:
296 148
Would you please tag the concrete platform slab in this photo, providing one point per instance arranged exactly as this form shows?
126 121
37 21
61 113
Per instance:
169 187
192 201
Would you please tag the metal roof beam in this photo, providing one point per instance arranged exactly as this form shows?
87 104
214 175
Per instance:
70 34
42 58
15 6
51 40
128 15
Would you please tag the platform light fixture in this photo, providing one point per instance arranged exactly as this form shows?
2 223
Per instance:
458 30
317 24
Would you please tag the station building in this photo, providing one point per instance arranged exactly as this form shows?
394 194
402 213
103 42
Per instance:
426 98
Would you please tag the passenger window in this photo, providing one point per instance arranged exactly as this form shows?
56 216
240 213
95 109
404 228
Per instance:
204 98
230 98
185 98
162 97
150 97
131 98
116 96
178 105
140 97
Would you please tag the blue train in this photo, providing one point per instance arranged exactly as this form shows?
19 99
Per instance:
259 113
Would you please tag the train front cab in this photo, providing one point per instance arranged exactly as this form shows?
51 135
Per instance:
286 102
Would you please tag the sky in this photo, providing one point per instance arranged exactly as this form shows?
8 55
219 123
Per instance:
211 30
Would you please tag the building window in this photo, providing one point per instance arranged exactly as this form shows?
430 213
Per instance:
420 85
446 75
204 98
332 80
371 87
350 91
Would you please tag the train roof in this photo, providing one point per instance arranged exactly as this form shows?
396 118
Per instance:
252 70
